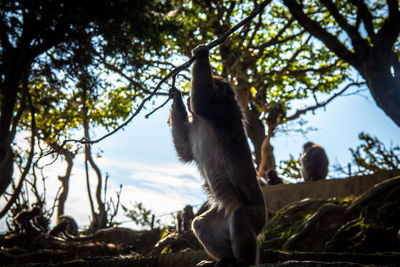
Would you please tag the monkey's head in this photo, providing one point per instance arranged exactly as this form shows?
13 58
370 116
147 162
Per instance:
272 175
188 208
224 88
36 211
308 145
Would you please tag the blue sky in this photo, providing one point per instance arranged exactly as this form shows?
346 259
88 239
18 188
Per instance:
143 159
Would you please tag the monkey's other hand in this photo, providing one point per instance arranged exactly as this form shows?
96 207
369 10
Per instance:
200 50
174 93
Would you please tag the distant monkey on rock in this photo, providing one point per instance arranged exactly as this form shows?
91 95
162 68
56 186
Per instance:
60 229
215 139
67 227
314 162
184 219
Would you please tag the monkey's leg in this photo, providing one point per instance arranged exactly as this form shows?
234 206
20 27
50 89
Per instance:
245 224
211 228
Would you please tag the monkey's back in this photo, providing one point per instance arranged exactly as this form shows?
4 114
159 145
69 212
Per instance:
224 160
314 164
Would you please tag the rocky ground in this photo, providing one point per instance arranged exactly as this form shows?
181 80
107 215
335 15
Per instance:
362 231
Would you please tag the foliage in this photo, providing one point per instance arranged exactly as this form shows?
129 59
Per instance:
364 34
291 168
372 155
279 71
271 57
64 48
140 215
73 60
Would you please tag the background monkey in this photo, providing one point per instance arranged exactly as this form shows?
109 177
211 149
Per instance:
314 162
26 220
184 219
273 178
215 139
66 228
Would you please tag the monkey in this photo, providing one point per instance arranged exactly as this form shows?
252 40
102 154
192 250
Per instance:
72 228
215 140
314 162
184 219
26 220
60 229
273 178
67 227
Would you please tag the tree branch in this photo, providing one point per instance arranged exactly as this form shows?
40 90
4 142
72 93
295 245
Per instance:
5 43
351 31
390 29
321 70
17 190
318 105
317 31
256 28
129 79
174 72
276 40
365 15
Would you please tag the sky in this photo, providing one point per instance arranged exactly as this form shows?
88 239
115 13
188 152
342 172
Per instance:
142 158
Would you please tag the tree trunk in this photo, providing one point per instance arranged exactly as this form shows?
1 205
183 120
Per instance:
6 166
100 218
376 62
267 156
263 150
384 87
69 156
255 131
8 99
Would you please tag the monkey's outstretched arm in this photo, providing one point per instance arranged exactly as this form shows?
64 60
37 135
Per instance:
180 128
202 83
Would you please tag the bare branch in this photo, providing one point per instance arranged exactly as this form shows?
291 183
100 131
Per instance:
166 101
120 72
318 105
321 70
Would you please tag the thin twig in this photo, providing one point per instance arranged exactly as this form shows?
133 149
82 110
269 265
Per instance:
166 101
257 10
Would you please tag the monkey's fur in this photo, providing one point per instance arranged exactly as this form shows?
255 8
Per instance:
215 139
184 219
314 162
